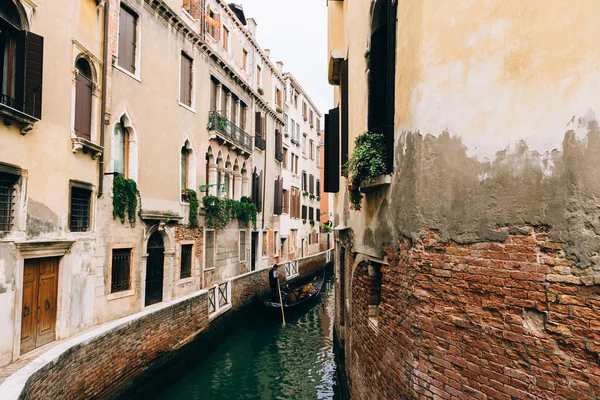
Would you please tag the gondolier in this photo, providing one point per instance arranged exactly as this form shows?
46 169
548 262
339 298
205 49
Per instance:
274 282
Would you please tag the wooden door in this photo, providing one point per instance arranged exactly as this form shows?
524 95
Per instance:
38 318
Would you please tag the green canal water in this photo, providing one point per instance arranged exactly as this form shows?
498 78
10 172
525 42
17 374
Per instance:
261 359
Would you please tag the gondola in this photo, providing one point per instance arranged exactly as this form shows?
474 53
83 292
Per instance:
293 297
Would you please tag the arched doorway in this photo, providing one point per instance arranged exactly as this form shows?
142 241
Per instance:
155 266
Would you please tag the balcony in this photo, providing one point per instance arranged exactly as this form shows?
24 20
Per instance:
260 142
227 131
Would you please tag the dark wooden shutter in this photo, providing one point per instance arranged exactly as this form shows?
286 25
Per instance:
331 169
29 73
344 111
83 107
259 205
258 124
312 184
278 197
318 187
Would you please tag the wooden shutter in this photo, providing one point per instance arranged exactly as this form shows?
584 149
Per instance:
318 187
29 73
185 86
344 122
186 6
83 107
258 124
217 27
312 184
127 39
331 168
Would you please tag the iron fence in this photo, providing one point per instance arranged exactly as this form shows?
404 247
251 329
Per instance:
228 130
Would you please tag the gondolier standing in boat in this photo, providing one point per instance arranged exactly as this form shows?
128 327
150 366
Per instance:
274 282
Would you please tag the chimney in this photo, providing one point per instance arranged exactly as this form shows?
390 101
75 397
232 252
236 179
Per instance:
251 26
280 66
268 53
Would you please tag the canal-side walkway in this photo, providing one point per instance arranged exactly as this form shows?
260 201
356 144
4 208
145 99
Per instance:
95 363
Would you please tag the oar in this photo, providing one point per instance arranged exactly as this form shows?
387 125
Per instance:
281 302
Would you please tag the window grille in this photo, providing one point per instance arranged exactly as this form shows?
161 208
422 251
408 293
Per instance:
80 210
186 261
7 201
121 270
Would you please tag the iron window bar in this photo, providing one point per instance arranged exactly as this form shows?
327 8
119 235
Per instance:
80 210
120 274
7 201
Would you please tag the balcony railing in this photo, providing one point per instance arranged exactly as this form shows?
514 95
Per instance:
229 131
260 142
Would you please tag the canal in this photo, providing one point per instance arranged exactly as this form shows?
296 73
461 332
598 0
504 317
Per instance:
261 359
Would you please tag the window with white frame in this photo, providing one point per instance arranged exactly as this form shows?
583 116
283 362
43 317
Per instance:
276 243
128 40
243 249
209 249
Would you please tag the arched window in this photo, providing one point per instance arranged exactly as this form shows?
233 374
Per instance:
382 73
10 25
83 99
121 149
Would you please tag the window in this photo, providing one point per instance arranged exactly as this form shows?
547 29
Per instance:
245 59
185 171
278 97
285 126
304 212
310 117
79 213
209 249
258 75
318 215
121 149
293 130
213 24
304 113
276 243
318 193
278 197
304 181
311 184
296 101
127 39
295 160
318 124
243 115
193 7
8 184
242 250
382 71
311 213
83 99
304 140
120 276
286 202
265 249
293 238
21 61
298 133
374 287
226 39
295 203
186 82
312 150
285 158
185 270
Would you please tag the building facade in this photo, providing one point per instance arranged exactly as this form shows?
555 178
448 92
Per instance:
48 171
469 267
120 154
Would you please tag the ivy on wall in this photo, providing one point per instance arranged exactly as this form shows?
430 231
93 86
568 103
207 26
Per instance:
194 204
219 212
126 198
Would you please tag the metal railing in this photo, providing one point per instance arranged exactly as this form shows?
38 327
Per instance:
219 296
9 101
260 142
291 268
228 130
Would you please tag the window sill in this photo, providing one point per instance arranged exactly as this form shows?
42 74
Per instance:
209 269
123 70
379 183
185 281
186 107
120 295
87 146
11 114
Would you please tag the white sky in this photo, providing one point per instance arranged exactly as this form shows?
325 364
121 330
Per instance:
296 33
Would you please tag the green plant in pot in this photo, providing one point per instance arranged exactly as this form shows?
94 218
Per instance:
365 165
312 223
312 196
305 193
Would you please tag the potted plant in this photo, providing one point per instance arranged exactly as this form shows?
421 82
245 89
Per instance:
312 223
261 91
318 198
279 110
312 196
365 165
305 193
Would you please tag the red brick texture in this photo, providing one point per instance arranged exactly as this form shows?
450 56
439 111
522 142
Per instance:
95 369
477 321
186 233
311 265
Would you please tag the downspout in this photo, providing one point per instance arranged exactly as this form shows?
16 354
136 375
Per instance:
265 182
103 104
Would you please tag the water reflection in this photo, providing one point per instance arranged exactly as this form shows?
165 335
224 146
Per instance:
263 360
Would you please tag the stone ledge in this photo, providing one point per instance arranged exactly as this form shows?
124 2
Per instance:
379 183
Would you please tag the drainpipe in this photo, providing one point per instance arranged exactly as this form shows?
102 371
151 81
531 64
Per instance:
265 180
103 105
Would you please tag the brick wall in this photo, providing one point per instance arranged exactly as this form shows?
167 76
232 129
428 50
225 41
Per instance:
311 265
120 353
186 233
479 321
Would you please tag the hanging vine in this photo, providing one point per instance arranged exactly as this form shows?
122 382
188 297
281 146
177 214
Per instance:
194 204
219 212
365 165
126 198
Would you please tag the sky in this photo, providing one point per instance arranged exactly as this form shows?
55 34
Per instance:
296 33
